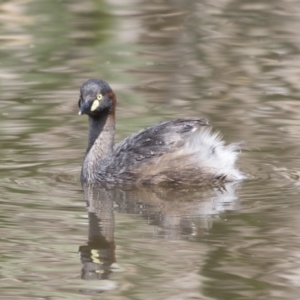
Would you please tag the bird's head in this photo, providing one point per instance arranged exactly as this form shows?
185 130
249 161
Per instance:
96 98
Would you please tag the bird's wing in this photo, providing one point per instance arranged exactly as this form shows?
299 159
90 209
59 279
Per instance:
158 139
152 142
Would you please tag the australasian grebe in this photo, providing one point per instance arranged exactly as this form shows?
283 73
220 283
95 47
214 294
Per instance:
178 151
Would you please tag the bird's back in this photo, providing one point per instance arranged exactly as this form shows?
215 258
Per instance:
178 151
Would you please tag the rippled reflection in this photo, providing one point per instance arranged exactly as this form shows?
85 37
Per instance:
172 213
233 62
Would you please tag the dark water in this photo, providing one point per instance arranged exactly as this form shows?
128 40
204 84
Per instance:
234 62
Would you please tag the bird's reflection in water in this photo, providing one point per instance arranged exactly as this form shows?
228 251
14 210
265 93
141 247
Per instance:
175 213
99 253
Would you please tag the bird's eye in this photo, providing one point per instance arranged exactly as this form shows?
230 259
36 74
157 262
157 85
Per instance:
99 97
79 102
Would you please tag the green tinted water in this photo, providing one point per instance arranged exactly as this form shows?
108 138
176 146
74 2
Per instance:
234 62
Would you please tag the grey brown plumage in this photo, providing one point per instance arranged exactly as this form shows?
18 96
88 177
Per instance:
178 151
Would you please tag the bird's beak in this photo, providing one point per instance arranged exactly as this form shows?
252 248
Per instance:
84 108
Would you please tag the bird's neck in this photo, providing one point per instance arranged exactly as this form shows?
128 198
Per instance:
100 145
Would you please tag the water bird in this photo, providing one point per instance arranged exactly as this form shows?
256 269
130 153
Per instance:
182 151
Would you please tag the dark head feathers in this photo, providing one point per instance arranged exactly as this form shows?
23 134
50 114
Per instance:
95 85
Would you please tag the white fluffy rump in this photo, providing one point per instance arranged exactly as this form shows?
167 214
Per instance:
211 154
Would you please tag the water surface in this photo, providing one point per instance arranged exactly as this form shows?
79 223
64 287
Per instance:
234 62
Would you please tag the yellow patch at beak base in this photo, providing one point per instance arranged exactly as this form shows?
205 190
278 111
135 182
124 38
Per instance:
95 105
